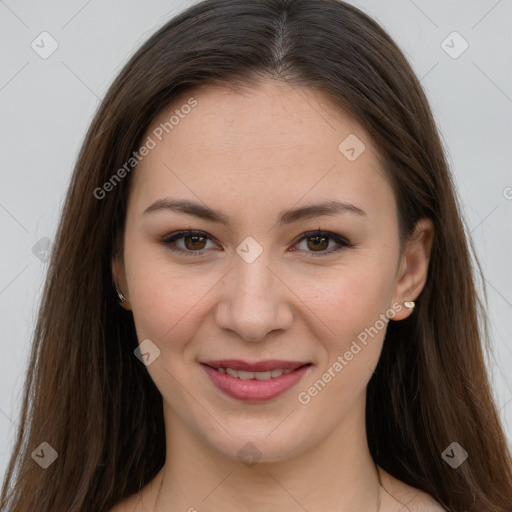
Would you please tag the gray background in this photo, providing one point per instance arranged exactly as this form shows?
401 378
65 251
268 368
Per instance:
47 105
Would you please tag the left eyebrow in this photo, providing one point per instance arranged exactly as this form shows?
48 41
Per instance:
201 211
316 210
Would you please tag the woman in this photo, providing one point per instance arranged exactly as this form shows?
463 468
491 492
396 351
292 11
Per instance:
260 296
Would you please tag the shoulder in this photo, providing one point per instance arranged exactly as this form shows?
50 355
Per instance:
397 494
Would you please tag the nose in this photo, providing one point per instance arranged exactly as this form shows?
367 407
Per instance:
255 303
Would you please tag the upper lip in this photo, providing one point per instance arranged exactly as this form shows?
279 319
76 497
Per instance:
257 366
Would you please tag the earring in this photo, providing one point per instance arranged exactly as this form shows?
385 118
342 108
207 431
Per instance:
409 305
122 298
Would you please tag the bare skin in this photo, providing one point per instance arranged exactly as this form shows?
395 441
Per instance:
394 496
251 155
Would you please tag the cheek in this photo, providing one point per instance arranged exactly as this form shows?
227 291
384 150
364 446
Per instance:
349 306
164 301
348 299
351 331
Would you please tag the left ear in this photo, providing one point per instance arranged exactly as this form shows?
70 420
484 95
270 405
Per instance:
413 268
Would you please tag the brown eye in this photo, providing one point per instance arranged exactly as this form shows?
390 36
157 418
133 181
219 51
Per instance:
317 243
187 242
194 242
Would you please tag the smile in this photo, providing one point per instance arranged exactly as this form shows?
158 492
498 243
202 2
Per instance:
241 374
255 382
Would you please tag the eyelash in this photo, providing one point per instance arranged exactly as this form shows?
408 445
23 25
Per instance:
342 242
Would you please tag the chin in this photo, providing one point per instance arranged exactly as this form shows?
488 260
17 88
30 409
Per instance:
251 447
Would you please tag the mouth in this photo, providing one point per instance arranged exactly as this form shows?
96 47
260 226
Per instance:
255 382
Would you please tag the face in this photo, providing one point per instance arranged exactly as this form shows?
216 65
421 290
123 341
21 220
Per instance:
265 282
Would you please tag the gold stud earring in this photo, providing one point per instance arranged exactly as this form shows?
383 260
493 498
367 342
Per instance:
409 305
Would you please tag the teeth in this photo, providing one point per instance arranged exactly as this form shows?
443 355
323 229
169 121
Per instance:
230 371
262 375
241 374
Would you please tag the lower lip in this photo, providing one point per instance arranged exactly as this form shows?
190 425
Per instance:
254 390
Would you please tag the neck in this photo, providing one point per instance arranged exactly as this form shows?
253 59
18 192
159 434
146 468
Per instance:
336 474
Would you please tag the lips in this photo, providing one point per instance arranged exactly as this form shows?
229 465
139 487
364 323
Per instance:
259 366
255 382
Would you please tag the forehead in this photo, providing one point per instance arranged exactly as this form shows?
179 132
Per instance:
268 144
272 114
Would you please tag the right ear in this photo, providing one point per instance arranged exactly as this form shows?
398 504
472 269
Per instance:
119 278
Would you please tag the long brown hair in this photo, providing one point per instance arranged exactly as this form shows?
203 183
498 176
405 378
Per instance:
86 394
